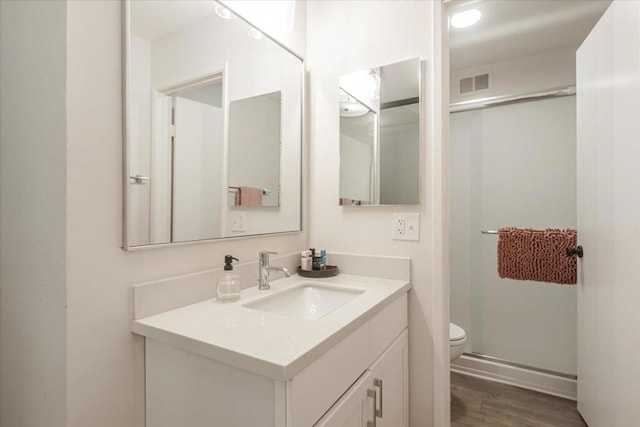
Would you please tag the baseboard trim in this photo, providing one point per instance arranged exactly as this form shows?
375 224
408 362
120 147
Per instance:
519 377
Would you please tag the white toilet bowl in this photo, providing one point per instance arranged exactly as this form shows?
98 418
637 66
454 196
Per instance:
457 340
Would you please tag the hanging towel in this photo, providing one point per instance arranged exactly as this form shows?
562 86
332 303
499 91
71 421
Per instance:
539 255
249 196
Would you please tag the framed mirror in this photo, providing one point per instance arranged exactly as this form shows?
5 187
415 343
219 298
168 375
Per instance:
213 126
380 135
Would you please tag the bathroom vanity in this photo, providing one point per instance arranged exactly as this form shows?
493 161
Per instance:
330 352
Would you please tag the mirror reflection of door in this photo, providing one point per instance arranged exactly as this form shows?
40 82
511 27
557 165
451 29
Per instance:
197 161
184 158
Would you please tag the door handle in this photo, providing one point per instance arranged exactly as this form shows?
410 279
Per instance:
374 394
377 382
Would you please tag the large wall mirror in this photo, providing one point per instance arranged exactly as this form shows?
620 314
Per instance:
380 135
213 126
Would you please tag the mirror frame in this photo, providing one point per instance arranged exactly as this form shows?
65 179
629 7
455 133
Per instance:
422 67
126 92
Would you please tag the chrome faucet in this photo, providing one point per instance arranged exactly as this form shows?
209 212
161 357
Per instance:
264 268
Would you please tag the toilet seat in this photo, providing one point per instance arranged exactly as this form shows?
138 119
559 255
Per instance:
456 333
457 341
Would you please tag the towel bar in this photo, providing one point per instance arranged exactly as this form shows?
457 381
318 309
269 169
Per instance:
265 191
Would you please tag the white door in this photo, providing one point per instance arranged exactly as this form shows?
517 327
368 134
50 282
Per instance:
161 168
608 113
196 170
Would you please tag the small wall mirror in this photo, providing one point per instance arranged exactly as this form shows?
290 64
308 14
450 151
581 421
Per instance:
213 126
380 135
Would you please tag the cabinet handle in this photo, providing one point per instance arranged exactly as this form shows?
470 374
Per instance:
372 393
377 382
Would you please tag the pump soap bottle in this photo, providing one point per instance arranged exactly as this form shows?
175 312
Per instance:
229 285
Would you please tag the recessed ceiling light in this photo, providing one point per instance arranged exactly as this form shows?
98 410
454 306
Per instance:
352 109
223 12
466 19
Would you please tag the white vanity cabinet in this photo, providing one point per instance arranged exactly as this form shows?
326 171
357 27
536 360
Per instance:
381 392
334 390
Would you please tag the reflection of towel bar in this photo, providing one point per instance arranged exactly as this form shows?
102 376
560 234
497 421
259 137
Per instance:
265 191
139 179
351 202
488 232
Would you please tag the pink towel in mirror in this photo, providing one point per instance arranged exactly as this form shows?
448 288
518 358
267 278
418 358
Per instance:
249 196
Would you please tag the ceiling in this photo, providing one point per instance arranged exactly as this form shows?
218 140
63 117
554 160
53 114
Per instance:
514 28
154 19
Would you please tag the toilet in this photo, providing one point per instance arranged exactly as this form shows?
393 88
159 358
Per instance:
457 340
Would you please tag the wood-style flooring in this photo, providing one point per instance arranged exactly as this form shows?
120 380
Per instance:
480 403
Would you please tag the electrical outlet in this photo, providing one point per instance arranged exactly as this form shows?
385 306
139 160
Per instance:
406 226
239 221
398 226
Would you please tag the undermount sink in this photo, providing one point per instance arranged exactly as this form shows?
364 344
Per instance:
308 301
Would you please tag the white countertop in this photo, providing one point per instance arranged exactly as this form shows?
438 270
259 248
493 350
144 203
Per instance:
264 343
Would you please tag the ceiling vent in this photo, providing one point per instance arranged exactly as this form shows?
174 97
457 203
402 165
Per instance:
480 82
466 85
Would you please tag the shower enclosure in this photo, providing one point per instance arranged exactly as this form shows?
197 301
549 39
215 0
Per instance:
512 165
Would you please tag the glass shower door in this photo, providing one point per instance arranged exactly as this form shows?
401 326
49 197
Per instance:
512 166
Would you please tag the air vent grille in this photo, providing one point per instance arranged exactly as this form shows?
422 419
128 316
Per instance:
466 85
479 82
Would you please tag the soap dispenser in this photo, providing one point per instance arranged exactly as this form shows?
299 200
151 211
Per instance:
229 285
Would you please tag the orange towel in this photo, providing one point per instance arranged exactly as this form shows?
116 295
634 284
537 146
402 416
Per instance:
249 196
539 255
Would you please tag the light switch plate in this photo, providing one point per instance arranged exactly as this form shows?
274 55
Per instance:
238 221
405 226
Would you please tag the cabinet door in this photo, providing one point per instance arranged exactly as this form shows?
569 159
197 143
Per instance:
355 408
390 376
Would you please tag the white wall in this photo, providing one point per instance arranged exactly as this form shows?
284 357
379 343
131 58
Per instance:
343 37
512 166
32 217
105 360
546 70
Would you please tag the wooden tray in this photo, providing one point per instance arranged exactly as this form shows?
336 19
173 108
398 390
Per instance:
332 270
